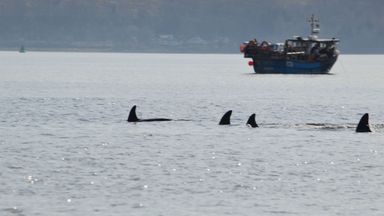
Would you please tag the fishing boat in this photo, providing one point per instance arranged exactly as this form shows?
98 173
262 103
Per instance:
299 55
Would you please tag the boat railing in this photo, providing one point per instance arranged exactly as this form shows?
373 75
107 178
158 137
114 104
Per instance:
296 53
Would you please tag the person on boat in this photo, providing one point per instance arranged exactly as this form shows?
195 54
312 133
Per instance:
316 49
330 50
288 47
253 42
314 53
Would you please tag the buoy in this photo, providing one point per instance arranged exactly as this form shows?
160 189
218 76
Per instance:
250 63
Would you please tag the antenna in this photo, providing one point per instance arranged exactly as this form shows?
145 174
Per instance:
315 27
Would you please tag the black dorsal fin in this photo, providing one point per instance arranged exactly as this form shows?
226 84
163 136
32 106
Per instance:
363 125
252 121
226 119
132 115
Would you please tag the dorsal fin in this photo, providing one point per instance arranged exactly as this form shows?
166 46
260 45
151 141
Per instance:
226 119
132 115
252 121
363 125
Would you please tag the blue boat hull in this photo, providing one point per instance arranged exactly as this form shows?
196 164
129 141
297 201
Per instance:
283 66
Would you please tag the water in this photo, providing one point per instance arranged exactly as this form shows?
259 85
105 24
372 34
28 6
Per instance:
66 148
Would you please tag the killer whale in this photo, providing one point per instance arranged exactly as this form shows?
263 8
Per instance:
226 119
252 121
132 117
363 125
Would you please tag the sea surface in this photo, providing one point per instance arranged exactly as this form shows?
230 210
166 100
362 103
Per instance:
67 149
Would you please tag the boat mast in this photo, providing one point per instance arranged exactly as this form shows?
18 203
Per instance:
315 27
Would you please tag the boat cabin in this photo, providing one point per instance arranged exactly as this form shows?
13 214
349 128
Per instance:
309 46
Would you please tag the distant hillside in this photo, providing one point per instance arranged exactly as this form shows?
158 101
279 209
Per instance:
184 25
